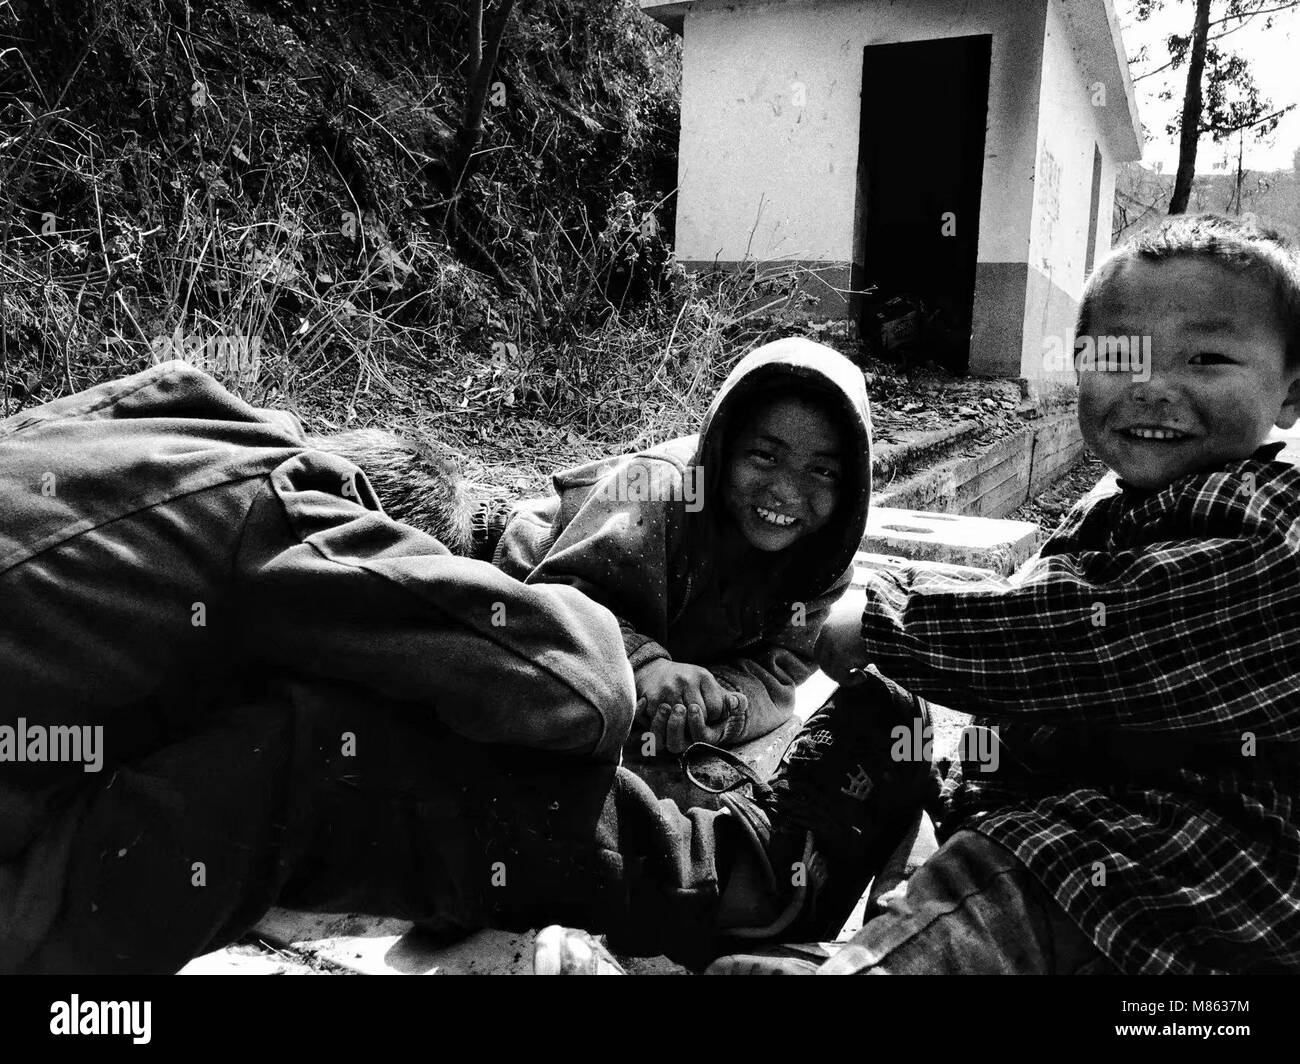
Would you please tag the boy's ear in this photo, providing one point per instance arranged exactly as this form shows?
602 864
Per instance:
1291 404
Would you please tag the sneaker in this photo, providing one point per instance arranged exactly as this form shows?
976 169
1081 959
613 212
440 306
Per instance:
835 807
571 951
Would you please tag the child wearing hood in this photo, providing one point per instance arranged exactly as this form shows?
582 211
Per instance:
721 553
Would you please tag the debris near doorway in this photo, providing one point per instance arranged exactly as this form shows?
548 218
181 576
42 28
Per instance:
898 323
910 327
909 398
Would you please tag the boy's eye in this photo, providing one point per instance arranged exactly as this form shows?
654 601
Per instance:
827 473
766 457
1211 358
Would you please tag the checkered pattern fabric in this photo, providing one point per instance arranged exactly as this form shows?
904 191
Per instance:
1144 679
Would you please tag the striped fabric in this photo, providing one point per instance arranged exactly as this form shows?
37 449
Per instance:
1143 677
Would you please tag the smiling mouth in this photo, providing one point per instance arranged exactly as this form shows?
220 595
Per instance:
1152 432
776 520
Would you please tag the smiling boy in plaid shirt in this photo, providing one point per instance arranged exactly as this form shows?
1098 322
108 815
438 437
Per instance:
1141 676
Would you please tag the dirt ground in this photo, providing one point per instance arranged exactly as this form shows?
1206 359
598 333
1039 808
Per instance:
516 455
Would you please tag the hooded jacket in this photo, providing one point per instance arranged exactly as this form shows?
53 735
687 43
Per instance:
162 542
641 534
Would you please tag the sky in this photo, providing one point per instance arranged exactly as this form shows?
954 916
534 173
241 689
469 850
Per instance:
1274 56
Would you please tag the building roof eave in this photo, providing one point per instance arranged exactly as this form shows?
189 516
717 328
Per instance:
1094 26
670 12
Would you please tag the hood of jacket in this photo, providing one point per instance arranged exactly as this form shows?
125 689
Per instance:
817 560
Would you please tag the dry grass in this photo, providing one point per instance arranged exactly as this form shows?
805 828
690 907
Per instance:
388 332
117 251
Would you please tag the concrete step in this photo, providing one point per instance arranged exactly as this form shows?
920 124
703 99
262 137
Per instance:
916 450
955 539
987 479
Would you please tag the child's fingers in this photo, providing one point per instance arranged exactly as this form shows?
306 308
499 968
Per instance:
692 695
736 702
714 697
677 730
658 727
695 725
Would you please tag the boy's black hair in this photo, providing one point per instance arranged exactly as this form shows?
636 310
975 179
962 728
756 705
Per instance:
1243 246
418 480
763 394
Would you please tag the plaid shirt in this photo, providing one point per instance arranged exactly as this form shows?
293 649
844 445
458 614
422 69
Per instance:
1144 680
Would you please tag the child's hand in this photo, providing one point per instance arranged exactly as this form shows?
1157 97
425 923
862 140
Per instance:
682 704
840 647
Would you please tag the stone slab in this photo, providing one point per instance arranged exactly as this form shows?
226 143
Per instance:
372 945
245 960
1290 437
866 561
955 539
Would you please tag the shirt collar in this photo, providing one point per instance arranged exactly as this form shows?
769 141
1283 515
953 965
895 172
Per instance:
1266 452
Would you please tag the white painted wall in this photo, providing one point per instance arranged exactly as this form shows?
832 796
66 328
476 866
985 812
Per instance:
742 130
1070 126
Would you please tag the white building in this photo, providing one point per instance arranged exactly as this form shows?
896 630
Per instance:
963 151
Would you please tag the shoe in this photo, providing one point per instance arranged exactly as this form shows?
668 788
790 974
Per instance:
835 807
571 951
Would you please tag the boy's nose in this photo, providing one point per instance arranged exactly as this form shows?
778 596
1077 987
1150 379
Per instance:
1156 390
781 491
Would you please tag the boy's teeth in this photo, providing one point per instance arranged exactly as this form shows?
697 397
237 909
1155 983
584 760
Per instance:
774 518
1155 434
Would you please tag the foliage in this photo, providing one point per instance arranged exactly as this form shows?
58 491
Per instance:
278 170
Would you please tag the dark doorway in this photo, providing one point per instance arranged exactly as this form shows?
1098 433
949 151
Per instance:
920 168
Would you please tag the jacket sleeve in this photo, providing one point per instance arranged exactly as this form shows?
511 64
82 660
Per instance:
611 547
332 587
769 673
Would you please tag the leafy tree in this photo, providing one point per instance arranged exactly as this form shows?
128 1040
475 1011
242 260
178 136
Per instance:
1220 96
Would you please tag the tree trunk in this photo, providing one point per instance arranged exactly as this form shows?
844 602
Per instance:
1190 131
484 57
